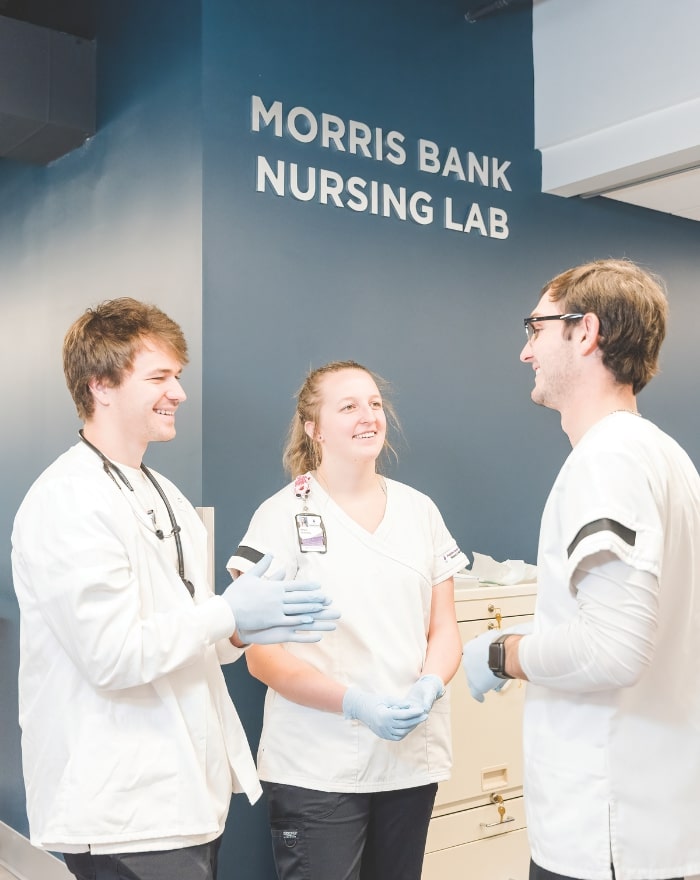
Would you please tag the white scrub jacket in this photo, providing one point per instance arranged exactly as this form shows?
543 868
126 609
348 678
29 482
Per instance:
129 737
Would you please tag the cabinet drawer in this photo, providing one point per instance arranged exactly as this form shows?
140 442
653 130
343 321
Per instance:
504 857
486 741
490 607
466 826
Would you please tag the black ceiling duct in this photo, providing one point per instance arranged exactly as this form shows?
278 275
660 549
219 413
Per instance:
47 92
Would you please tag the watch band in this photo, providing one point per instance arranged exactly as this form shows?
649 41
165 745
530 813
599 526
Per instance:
497 656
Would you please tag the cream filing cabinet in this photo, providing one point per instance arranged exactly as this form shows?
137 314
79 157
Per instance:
478 825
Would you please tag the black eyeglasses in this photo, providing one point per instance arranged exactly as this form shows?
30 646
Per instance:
530 331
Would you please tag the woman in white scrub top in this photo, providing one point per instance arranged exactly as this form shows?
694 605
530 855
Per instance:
356 731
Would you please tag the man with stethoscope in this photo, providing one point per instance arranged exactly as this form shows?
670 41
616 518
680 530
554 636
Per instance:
131 746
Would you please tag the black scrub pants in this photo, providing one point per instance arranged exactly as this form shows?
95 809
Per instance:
189 863
537 873
319 835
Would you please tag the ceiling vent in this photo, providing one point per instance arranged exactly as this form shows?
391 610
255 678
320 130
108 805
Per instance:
47 92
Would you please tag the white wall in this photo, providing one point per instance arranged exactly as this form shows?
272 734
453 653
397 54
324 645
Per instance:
617 90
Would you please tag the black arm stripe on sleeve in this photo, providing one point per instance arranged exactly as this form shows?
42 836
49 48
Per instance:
249 553
603 525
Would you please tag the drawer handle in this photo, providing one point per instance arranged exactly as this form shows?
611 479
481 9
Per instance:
496 824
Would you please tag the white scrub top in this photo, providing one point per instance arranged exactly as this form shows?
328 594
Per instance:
382 584
615 775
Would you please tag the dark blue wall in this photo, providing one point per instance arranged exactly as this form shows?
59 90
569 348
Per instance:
291 284
119 216
288 284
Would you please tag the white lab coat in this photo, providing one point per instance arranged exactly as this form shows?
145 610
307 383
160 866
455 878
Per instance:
129 737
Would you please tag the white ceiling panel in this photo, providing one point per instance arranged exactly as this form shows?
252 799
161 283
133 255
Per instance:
677 194
617 101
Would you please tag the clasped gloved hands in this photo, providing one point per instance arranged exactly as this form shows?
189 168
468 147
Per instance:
388 717
425 691
475 660
273 610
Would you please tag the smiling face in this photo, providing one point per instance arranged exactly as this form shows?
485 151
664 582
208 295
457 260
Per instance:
141 409
551 354
351 425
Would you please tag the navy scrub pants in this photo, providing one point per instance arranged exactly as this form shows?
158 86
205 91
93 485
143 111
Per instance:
537 873
189 863
318 835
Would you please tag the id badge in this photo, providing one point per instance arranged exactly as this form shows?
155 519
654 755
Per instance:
311 533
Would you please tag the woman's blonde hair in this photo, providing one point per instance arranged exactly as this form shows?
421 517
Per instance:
303 453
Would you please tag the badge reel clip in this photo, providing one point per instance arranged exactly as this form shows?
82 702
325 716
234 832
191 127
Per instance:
311 533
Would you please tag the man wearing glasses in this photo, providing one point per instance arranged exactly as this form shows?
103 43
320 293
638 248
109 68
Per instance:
612 715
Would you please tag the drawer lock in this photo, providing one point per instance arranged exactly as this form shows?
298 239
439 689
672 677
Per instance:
492 609
502 818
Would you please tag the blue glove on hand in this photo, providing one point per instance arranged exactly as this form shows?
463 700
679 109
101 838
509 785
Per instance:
475 661
303 632
425 691
389 718
269 611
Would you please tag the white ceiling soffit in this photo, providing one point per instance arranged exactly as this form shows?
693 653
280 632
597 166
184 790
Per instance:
677 194
617 101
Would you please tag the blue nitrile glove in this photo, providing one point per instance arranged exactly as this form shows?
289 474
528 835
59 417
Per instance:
475 660
272 610
388 717
425 691
304 632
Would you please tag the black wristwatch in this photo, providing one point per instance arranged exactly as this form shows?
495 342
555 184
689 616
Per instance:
497 656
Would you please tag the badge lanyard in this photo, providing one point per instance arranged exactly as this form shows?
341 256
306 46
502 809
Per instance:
311 533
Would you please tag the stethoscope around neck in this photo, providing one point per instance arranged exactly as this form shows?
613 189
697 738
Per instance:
111 469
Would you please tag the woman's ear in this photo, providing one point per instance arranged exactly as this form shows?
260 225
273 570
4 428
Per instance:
310 430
